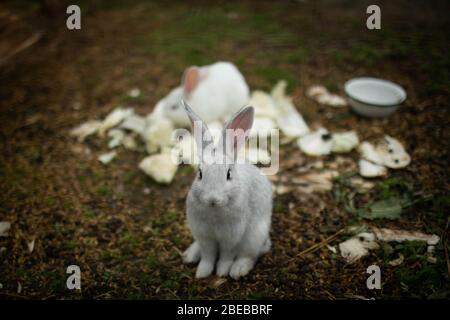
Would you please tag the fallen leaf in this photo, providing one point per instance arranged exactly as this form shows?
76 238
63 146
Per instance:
390 208
216 282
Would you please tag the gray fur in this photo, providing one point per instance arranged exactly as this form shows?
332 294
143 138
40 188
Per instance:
229 219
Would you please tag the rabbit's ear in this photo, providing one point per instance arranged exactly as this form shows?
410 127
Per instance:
200 131
237 130
191 78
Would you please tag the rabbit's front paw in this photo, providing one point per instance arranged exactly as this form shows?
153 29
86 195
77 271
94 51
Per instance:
223 267
192 254
204 269
241 267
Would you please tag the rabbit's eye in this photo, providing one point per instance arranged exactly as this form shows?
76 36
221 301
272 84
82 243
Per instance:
174 107
229 174
199 174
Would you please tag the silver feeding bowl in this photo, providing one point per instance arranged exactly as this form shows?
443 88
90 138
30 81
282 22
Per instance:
374 98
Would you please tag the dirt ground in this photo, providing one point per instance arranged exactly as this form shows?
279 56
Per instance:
125 231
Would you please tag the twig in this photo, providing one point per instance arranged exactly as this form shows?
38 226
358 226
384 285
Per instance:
24 45
320 244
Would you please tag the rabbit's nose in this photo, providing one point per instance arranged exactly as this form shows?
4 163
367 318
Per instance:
213 201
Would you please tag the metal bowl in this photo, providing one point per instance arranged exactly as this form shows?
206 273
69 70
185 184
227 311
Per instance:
374 98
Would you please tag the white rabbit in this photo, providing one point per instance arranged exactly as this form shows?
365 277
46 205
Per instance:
229 206
215 91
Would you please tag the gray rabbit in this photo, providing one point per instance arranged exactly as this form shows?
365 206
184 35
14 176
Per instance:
229 206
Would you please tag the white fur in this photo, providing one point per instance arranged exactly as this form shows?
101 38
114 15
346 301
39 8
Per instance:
221 92
234 231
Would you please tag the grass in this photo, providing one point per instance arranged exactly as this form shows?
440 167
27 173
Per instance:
272 74
418 274
89 213
189 37
388 199
104 191
164 221
429 50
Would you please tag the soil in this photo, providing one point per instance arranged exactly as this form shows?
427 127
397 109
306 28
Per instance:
125 231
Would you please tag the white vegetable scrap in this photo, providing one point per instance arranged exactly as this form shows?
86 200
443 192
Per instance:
368 152
158 135
393 153
262 127
344 142
315 91
263 104
316 182
86 129
389 235
369 169
332 100
358 246
289 119
113 119
159 167
4 228
322 96
156 114
107 157
116 136
317 143
361 185
134 123
390 153
129 142
134 93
